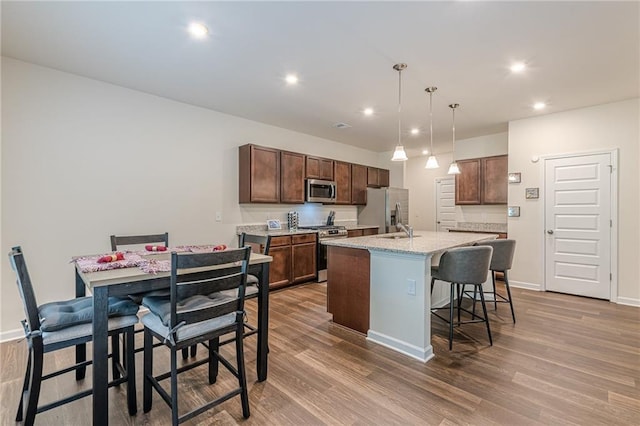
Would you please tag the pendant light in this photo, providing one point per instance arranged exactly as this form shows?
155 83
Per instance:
399 154
453 168
432 161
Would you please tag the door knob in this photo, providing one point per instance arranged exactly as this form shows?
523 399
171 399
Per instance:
549 231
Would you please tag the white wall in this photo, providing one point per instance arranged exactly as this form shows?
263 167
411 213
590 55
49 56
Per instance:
421 183
603 127
82 160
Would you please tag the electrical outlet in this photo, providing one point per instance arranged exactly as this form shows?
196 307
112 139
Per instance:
218 216
411 288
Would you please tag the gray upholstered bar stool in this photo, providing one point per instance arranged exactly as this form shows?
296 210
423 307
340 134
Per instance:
460 267
501 261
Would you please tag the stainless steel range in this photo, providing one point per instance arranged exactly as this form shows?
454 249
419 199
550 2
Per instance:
325 232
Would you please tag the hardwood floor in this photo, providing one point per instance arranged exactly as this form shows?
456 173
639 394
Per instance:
568 360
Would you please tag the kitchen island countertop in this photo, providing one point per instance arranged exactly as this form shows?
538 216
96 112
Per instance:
423 242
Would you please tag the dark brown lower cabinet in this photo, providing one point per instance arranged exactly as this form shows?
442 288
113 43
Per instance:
294 259
348 287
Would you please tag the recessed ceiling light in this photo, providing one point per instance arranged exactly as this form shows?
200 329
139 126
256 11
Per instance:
539 105
415 131
425 151
291 79
367 111
198 30
518 67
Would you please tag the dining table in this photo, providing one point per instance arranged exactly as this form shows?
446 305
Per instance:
134 280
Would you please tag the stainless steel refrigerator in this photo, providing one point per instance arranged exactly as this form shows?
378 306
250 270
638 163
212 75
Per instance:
385 208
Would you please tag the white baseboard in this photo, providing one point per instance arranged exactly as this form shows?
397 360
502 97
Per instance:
9 335
421 354
628 301
528 286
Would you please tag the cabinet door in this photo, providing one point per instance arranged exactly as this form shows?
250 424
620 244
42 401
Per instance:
370 231
495 180
303 261
372 177
259 169
342 174
354 233
326 169
383 178
292 177
319 168
468 182
280 268
358 184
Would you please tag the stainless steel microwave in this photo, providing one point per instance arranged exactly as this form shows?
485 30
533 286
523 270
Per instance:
320 191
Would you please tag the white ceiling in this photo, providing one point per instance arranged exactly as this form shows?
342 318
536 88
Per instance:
579 54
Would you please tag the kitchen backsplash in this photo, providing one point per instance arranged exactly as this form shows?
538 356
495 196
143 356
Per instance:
309 214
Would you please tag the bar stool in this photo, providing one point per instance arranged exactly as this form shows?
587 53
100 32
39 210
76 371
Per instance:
460 267
501 261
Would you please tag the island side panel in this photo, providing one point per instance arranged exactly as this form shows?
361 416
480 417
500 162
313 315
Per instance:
400 303
348 272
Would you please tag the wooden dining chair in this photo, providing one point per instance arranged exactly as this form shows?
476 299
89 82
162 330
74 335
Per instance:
118 242
59 325
258 244
203 306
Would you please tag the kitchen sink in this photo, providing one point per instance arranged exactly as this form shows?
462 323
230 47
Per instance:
396 236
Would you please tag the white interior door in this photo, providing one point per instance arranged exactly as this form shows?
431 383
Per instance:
445 203
578 225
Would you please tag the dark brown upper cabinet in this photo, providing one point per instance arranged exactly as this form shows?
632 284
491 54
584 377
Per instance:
269 175
358 184
495 180
319 168
342 176
259 170
482 181
377 178
291 177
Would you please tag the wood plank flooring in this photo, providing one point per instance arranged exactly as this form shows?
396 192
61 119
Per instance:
568 360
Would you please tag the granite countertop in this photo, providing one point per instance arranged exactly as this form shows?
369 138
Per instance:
423 242
352 227
279 232
480 227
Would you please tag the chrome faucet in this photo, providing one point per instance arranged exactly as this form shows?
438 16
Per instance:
399 225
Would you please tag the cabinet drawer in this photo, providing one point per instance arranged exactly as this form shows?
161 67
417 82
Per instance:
303 238
280 241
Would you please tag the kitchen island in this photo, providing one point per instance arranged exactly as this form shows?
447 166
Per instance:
380 285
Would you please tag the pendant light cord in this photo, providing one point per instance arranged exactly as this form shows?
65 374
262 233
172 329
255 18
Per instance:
400 107
431 119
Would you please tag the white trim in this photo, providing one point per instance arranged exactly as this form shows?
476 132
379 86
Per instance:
628 301
613 295
421 354
528 286
9 335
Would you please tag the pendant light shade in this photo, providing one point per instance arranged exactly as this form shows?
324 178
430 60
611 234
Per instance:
399 154
432 161
453 168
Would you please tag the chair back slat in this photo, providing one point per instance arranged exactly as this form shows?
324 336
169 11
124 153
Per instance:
212 284
127 240
203 314
262 242
25 288
228 271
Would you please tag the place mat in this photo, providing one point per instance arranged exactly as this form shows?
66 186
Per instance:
90 263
